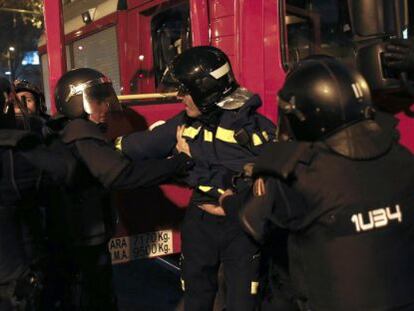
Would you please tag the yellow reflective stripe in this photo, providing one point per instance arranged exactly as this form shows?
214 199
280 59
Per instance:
182 285
254 288
265 135
221 191
205 188
118 143
208 136
225 135
191 132
256 140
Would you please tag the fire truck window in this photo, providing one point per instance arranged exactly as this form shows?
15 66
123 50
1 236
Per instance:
316 27
98 51
171 35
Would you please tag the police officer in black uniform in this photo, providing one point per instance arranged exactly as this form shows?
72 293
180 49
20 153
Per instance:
224 131
32 97
82 221
21 231
30 109
342 187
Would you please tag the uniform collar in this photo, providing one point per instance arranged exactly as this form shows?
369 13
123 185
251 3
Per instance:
362 141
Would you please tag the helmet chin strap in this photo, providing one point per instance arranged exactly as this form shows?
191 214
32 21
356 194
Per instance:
284 131
212 117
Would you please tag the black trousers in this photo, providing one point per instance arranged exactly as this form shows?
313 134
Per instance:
80 278
207 241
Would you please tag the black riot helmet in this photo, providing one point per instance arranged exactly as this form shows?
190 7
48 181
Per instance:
320 97
205 73
77 88
26 86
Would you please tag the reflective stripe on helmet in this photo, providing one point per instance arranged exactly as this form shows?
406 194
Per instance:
221 71
80 88
357 90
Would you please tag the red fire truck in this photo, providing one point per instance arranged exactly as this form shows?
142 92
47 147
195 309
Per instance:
132 41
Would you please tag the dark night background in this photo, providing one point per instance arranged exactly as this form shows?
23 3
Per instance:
20 30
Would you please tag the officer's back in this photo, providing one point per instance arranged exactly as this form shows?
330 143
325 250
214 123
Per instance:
354 238
343 189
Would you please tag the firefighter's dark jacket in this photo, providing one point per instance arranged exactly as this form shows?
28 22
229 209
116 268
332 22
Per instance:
349 208
20 196
98 168
219 150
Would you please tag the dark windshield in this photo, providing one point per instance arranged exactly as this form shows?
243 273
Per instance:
171 35
333 26
316 27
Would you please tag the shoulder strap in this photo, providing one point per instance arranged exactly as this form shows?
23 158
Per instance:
14 138
81 129
7 172
281 158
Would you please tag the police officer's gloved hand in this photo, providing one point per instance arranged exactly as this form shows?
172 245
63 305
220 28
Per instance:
399 55
185 163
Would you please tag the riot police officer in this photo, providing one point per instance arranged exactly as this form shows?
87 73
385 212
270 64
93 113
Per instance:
32 97
342 187
224 131
21 231
30 109
82 220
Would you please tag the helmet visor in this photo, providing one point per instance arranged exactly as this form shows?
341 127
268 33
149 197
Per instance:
101 95
96 93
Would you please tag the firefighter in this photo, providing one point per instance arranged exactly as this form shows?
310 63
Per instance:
223 131
342 188
82 221
21 231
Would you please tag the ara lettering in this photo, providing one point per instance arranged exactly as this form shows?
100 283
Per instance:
376 218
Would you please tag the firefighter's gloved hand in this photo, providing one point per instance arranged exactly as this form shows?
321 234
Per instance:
399 55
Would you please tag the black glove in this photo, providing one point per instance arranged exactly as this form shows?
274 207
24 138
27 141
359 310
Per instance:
399 55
